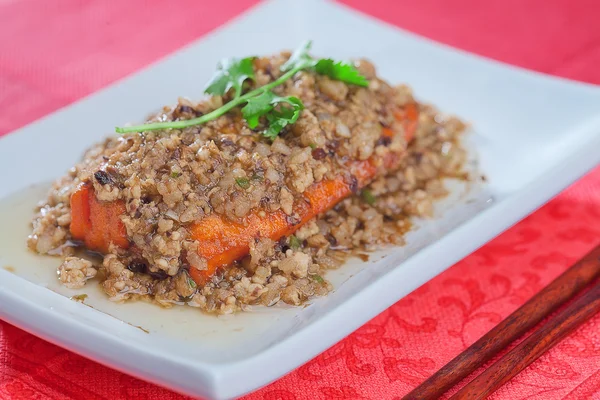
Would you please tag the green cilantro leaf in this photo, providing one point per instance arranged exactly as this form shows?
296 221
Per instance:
294 242
299 58
368 197
242 182
258 106
279 119
318 278
340 71
191 283
265 105
231 74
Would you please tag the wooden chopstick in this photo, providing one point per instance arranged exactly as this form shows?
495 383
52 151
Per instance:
559 291
534 346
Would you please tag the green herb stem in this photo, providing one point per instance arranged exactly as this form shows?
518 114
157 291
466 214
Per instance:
216 113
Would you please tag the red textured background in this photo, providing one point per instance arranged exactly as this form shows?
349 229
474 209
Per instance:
55 52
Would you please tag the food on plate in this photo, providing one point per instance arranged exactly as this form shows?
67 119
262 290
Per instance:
251 195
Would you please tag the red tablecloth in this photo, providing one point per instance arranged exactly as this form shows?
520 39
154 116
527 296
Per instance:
54 52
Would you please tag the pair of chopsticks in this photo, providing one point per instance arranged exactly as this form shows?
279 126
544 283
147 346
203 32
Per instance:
570 283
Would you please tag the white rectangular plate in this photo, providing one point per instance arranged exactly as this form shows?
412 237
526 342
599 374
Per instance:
534 135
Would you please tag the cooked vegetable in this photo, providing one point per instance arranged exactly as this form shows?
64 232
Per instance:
223 241
294 242
192 283
368 197
243 183
96 223
231 75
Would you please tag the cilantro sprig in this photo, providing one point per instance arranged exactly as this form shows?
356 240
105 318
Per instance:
288 111
337 70
231 74
278 111
340 71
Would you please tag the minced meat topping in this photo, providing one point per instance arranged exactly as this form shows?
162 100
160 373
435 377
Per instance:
172 178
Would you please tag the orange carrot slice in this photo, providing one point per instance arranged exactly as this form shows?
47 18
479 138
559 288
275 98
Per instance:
223 242
97 224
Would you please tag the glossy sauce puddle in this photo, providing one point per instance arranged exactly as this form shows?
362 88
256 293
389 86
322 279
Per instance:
211 335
